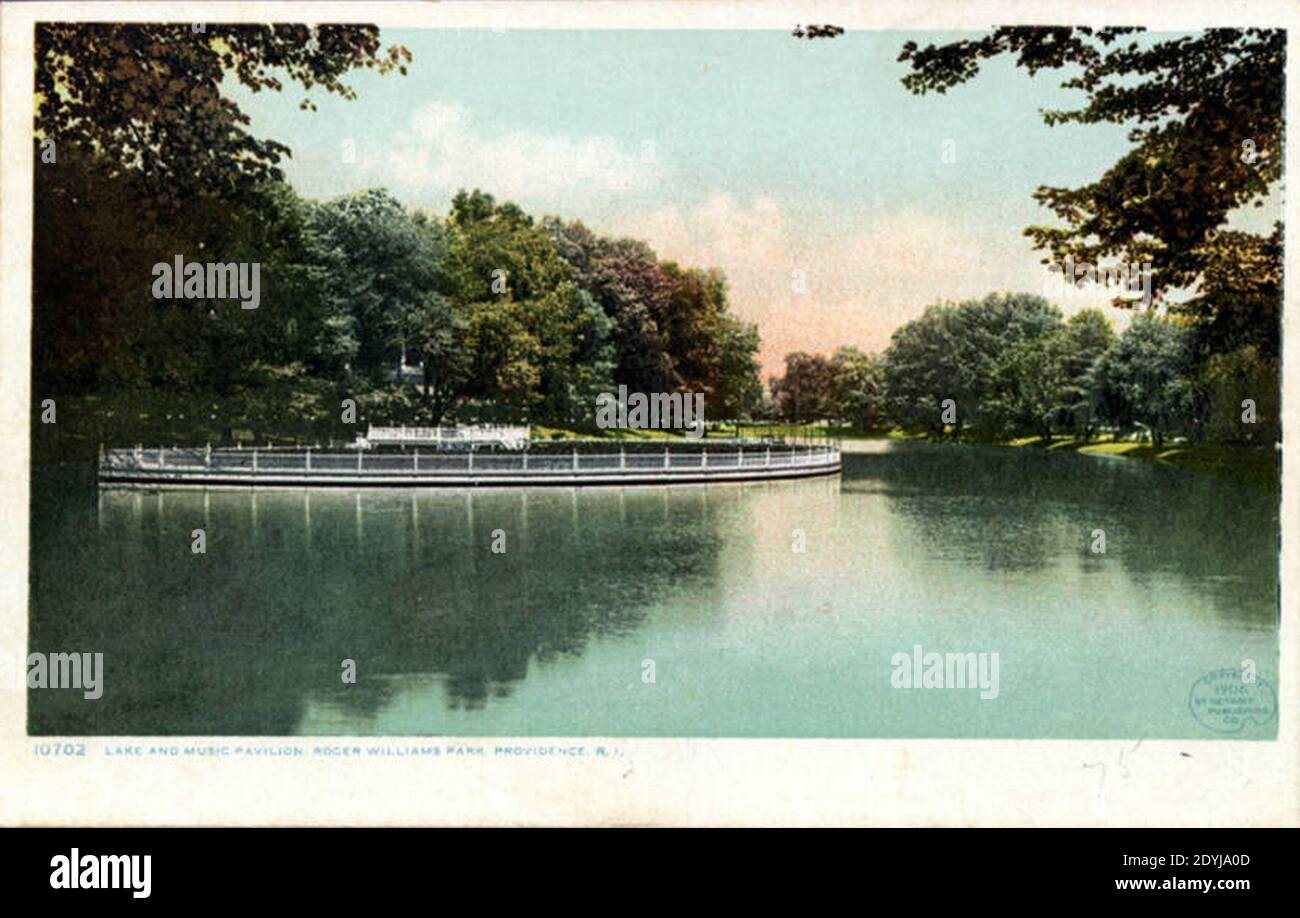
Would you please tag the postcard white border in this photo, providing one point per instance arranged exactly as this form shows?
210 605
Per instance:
654 782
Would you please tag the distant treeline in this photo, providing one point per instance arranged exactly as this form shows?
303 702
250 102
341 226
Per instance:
1012 366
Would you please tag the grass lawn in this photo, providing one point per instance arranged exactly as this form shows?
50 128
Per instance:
1255 466
805 431
559 433
728 431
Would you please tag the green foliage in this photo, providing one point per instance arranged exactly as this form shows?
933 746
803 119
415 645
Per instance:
988 356
670 325
147 100
1088 335
1225 384
697 300
383 271
495 322
624 278
804 393
921 369
1205 114
1014 369
1144 379
1205 117
858 381
1029 379
739 394
498 315
1239 301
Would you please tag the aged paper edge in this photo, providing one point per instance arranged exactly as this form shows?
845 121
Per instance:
653 781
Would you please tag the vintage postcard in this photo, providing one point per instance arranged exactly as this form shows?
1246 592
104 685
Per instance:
664 413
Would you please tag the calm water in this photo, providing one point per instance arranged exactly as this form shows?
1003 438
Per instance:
952 548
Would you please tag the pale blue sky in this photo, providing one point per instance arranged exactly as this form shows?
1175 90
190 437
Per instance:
802 168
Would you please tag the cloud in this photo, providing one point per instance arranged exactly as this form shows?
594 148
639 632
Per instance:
445 148
809 287
813 289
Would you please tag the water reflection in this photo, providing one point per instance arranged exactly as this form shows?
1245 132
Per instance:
1029 510
949 547
294 582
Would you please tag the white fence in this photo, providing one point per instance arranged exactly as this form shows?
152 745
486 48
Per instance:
501 435
310 463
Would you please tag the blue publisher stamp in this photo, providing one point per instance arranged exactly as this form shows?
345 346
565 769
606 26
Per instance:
1225 702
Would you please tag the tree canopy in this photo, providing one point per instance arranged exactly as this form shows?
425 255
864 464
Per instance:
1205 113
483 312
146 98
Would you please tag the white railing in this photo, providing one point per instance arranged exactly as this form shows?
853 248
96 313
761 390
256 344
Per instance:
311 463
511 437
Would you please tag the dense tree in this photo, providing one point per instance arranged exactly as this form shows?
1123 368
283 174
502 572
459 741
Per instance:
740 391
624 277
961 352
139 157
670 323
146 97
1013 368
1239 299
1144 378
697 300
806 391
528 316
857 386
1205 113
91 258
385 270
1086 337
921 369
989 333
1238 397
1029 379
1205 117
96 322
594 359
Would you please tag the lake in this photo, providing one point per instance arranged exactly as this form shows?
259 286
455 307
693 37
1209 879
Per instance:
680 611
